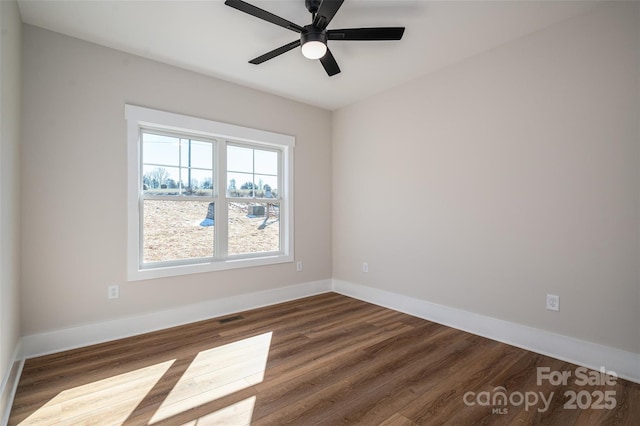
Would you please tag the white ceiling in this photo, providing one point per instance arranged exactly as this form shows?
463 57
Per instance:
214 39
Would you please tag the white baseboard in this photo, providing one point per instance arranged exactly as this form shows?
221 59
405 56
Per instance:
591 355
84 335
10 383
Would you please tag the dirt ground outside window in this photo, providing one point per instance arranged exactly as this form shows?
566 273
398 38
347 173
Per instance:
172 230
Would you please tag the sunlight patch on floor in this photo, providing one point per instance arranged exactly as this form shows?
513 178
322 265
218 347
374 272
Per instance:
216 373
106 401
238 414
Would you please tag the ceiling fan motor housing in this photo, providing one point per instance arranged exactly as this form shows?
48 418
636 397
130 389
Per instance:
312 33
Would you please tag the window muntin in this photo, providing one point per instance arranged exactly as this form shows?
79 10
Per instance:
196 185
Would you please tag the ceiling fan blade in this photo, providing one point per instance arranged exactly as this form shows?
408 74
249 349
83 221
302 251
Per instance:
275 52
329 63
326 12
263 14
382 33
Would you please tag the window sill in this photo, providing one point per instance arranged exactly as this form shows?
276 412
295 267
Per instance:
139 274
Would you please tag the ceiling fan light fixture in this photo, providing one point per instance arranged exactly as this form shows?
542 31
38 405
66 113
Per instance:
314 49
314 42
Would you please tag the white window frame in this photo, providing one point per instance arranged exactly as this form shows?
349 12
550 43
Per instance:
139 118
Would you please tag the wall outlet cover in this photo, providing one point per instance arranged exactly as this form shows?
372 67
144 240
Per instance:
553 302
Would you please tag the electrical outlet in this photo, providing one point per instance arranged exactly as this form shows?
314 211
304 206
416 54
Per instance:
365 267
553 302
299 265
114 292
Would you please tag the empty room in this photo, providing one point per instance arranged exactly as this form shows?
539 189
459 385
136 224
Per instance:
319 212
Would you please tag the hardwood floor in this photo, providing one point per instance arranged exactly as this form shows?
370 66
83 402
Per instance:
327 359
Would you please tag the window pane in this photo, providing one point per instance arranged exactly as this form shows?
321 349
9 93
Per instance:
266 162
177 230
160 180
197 154
196 182
254 228
252 172
239 159
160 150
240 185
202 182
266 186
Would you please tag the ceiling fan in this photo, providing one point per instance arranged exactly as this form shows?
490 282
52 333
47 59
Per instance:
314 37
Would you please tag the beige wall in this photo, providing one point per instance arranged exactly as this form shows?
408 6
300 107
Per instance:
74 211
10 54
497 180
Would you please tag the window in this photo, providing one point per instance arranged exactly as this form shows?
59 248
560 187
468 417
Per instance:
205 196
177 186
253 192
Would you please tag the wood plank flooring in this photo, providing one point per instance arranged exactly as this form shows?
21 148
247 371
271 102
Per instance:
323 360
